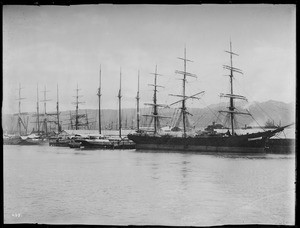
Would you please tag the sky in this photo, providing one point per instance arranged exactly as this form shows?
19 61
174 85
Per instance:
46 46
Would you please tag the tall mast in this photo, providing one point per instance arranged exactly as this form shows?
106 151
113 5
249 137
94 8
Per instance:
45 110
120 116
37 109
183 94
231 107
154 116
156 121
231 95
20 122
87 120
57 110
77 108
71 123
76 112
138 104
19 116
184 112
99 99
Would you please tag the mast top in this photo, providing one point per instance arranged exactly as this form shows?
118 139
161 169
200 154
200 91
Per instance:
119 94
99 89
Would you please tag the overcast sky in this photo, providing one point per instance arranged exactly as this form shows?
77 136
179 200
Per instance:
65 45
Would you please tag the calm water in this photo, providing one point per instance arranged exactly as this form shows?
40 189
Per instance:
55 185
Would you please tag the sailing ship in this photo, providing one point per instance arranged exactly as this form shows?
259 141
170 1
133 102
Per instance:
58 140
94 141
16 139
204 141
39 137
100 141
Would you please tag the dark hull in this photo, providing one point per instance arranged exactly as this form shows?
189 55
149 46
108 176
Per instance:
60 143
281 146
94 145
111 144
250 143
119 145
122 145
74 144
26 142
12 141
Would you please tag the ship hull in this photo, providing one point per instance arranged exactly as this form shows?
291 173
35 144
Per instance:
251 143
281 146
196 148
29 142
91 144
59 143
12 141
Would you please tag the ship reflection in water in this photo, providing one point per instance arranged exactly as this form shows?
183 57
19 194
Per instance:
57 185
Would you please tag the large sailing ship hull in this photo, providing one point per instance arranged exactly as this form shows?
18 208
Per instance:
281 146
250 143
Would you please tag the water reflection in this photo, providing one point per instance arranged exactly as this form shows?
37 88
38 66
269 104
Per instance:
137 187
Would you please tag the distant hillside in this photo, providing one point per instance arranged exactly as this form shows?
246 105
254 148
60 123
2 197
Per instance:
279 112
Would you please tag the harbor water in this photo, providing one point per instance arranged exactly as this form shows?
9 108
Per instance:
55 185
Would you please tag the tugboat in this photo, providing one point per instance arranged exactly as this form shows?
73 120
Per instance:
218 142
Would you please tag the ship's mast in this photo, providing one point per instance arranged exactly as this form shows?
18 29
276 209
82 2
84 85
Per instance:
45 110
138 104
231 107
71 122
120 114
183 94
87 120
183 108
77 109
19 116
37 109
20 121
99 100
156 120
232 96
154 116
57 110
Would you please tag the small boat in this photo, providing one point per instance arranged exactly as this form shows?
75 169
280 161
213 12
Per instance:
60 142
122 143
95 141
74 144
11 139
32 139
